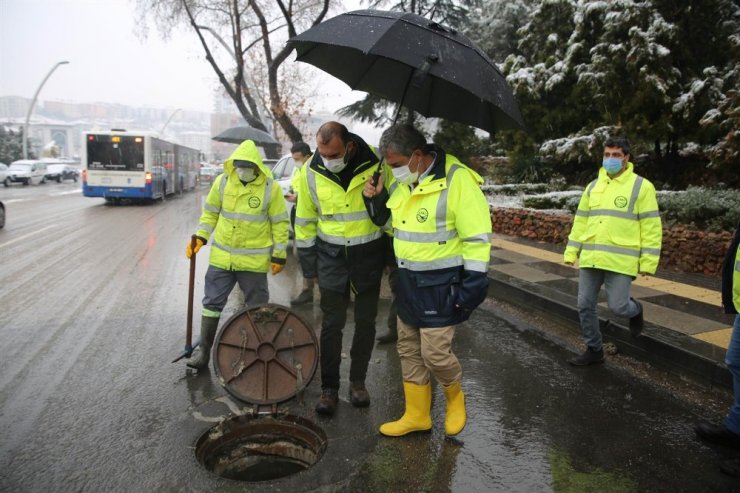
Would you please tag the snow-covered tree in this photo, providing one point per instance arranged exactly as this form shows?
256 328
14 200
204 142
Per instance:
494 26
652 69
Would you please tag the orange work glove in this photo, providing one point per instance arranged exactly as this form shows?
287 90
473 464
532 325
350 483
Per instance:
277 268
189 250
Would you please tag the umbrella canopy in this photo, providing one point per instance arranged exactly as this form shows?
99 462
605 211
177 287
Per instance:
237 135
408 59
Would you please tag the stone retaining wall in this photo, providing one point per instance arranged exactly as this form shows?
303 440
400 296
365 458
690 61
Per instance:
685 249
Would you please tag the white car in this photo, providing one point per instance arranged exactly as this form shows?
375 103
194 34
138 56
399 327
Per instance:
283 173
26 171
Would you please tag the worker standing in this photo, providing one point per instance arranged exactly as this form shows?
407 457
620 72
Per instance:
245 219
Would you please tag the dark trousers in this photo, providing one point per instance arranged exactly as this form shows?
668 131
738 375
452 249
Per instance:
334 310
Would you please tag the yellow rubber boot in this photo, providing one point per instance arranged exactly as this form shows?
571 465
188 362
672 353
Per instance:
455 417
417 416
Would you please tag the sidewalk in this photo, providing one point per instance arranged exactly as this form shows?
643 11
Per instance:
685 332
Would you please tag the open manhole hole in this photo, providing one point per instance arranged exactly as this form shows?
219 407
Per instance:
248 448
263 356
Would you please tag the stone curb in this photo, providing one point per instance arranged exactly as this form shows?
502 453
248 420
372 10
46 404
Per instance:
661 347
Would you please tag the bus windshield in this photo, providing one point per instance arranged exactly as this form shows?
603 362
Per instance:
115 152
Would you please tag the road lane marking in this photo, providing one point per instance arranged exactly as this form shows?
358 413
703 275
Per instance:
25 236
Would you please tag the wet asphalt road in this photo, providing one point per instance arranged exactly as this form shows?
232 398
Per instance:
93 308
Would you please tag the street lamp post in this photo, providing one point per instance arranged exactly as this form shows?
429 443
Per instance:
33 102
161 132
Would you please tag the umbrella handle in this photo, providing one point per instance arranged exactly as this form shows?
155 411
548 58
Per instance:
376 175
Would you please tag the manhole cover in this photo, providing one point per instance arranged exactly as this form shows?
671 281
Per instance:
249 448
263 355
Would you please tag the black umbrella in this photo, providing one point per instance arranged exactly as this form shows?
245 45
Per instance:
237 135
408 59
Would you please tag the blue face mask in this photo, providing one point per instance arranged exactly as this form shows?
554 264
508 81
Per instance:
612 165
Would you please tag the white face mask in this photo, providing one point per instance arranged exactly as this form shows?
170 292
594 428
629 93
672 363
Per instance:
404 174
246 174
336 165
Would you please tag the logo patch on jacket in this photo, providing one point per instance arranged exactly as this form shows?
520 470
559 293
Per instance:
620 202
254 202
422 215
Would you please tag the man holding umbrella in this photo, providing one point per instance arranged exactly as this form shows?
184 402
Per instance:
340 246
246 216
442 242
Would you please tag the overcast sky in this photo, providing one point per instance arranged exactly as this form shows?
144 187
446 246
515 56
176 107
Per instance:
109 62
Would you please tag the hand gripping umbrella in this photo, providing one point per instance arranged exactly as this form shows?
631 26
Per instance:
237 135
422 65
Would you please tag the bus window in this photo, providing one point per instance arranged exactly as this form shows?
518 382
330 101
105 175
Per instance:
127 154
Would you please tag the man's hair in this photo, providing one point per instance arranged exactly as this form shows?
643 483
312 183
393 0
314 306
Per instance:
301 147
618 142
403 139
329 130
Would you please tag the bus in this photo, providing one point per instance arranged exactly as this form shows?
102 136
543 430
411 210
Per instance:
136 165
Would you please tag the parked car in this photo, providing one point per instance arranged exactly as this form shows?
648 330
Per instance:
26 171
4 173
59 172
283 173
206 174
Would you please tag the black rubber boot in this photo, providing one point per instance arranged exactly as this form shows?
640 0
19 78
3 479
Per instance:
208 326
718 433
306 296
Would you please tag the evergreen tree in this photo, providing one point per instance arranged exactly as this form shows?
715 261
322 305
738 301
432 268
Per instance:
11 146
660 72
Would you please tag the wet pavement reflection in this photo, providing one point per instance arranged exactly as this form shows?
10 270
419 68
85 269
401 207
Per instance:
89 400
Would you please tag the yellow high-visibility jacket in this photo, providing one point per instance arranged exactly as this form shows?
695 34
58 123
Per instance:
731 276
442 242
617 225
247 224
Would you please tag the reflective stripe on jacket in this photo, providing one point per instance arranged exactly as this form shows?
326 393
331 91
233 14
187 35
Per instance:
247 224
617 225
